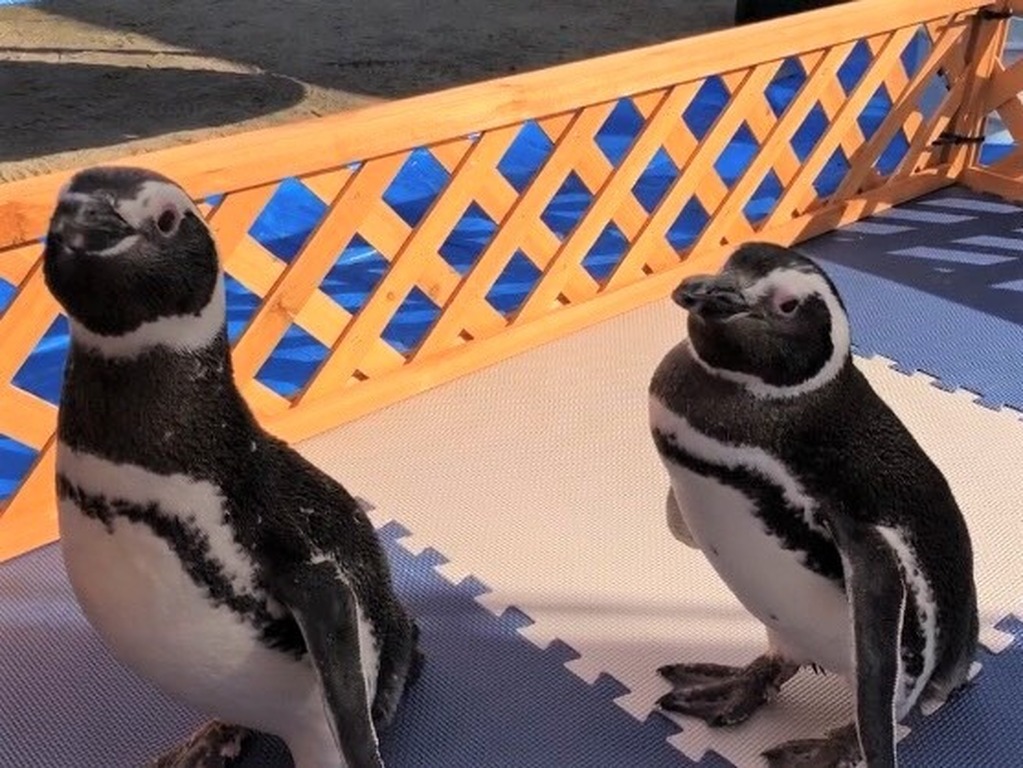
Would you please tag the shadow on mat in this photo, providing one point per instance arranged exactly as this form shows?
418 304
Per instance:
967 257
49 107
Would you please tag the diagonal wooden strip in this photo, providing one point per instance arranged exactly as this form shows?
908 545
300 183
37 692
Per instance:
261 399
28 419
922 141
387 232
305 273
523 215
802 185
772 147
1004 84
985 44
408 264
594 168
617 188
763 122
906 104
497 196
681 146
233 216
15 263
328 185
30 314
695 172
30 517
258 270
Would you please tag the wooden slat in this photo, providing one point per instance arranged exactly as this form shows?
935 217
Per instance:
773 147
258 270
30 518
985 181
388 233
921 143
407 264
327 186
905 102
232 219
608 199
312 263
699 167
497 197
526 210
31 312
28 419
801 187
16 263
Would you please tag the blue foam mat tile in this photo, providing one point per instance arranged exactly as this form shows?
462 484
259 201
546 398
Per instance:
933 297
980 727
487 697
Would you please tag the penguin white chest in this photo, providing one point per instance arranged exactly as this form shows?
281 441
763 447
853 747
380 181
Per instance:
806 614
140 593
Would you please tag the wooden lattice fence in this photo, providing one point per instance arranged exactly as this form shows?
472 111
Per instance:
828 117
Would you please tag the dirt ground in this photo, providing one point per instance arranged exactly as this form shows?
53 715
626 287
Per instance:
82 82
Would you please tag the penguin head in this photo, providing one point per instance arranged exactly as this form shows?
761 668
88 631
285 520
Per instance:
130 259
770 320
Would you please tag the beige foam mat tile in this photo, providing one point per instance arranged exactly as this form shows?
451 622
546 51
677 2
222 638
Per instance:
538 476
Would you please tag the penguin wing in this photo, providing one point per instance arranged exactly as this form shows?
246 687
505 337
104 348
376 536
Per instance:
877 599
676 522
327 612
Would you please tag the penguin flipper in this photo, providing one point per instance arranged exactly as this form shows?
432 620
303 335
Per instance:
877 599
676 522
327 612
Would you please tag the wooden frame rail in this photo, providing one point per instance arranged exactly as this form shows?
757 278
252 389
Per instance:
350 161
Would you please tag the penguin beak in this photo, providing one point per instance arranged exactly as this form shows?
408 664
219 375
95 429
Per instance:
86 225
712 297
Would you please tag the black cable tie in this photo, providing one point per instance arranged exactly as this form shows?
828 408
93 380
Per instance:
947 138
987 13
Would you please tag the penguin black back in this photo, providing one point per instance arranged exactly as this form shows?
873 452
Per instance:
149 387
763 397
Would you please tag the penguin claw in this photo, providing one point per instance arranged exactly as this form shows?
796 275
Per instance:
683 675
215 745
839 749
721 695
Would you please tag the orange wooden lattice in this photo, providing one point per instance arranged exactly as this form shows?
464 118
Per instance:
349 162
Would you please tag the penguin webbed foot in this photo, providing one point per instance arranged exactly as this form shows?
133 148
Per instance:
215 745
839 749
721 695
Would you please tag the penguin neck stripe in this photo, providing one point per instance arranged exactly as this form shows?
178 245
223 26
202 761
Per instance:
798 282
176 495
678 429
182 333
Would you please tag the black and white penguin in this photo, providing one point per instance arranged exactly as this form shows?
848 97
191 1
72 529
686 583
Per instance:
813 503
210 557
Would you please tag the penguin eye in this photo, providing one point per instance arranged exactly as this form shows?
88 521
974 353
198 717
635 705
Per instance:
167 221
788 306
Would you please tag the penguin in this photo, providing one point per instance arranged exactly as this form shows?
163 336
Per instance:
813 503
211 558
